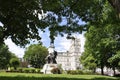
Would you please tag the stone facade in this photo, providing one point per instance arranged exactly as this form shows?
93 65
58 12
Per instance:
70 60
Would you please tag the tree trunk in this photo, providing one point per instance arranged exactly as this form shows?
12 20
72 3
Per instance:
15 68
94 70
116 5
102 71
114 71
102 67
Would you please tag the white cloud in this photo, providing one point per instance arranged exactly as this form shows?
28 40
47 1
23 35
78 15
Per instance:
63 44
14 48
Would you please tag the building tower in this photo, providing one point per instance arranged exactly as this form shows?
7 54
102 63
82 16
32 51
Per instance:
70 60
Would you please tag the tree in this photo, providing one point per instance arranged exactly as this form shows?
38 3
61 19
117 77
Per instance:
22 28
88 61
14 62
116 5
35 54
103 43
5 56
101 39
20 20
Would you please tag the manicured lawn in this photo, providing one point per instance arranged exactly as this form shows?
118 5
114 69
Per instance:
30 76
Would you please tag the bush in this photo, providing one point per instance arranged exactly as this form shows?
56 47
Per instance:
38 70
74 72
26 70
80 72
20 70
32 71
11 69
15 63
55 71
88 72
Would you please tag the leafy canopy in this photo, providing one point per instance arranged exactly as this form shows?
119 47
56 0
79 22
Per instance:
22 19
35 54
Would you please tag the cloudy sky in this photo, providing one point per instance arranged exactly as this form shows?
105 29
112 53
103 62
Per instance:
61 43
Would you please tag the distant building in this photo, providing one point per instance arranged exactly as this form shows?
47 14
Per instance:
70 60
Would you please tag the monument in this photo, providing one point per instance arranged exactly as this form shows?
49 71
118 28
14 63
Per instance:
50 61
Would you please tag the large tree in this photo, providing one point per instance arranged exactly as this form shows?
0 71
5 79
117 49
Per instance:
103 43
35 54
21 19
5 56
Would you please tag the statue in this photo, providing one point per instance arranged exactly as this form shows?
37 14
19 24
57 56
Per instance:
51 58
51 61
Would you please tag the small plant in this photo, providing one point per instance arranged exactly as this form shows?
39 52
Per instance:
26 70
55 71
32 70
20 70
37 70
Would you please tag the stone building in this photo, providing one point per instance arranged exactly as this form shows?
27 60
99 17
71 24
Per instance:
70 60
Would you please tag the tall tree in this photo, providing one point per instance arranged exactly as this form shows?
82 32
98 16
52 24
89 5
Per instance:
103 43
116 5
5 56
22 19
35 54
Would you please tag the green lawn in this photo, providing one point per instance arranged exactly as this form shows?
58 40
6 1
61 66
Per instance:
30 76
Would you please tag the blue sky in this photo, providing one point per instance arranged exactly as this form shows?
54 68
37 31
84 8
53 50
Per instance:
61 43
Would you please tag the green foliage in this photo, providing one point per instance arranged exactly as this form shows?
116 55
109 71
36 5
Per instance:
30 70
80 72
88 61
41 14
102 41
27 70
24 70
75 72
35 54
15 63
20 70
5 56
20 20
115 60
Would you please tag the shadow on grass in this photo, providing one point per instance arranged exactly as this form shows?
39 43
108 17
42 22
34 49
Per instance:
50 78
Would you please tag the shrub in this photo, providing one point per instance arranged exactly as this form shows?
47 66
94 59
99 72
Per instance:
38 70
55 71
15 63
80 72
32 70
20 70
73 72
88 72
26 70
11 69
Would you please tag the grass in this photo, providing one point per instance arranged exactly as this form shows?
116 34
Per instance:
30 76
